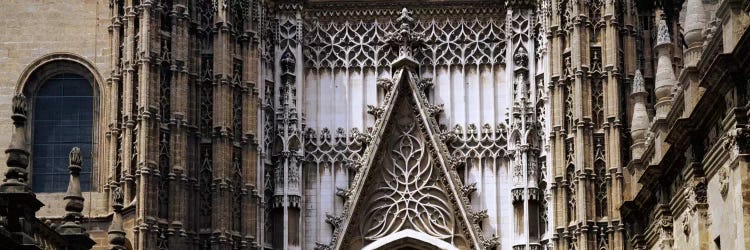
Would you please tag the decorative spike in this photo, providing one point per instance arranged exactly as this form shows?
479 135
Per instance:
377 112
478 216
334 221
116 233
74 197
18 155
321 246
72 229
343 193
469 189
662 35
638 82
434 110
640 120
695 21
492 242
385 84
665 78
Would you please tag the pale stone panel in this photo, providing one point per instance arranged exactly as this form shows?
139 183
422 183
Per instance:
341 181
505 205
474 175
486 93
311 91
473 108
503 97
443 93
489 184
356 96
339 99
327 202
458 98
310 218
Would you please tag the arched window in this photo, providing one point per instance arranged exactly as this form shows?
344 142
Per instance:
63 114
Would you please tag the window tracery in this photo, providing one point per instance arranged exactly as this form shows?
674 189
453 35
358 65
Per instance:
362 44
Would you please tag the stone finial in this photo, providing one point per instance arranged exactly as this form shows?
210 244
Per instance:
662 34
74 158
405 39
665 78
17 155
695 21
638 82
71 229
74 198
116 233
640 120
20 107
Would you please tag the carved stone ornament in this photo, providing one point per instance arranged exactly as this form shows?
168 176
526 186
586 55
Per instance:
723 182
521 57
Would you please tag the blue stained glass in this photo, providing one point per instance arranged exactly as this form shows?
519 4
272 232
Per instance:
63 119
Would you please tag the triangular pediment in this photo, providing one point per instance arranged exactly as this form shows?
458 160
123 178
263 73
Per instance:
405 179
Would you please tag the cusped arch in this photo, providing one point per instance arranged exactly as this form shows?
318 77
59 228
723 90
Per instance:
411 239
53 64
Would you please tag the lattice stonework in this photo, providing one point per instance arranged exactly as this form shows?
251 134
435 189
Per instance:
447 42
411 196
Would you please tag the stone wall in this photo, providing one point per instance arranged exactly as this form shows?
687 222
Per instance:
31 30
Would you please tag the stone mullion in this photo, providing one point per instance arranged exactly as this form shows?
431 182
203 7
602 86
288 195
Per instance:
179 184
128 102
581 138
249 153
613 129
222 120
148 135
114 81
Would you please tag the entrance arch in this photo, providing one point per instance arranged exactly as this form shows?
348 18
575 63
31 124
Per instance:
409 239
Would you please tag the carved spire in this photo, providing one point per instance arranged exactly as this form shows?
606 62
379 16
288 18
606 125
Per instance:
74 197
695 21
116 233
640 122
665 78
662 35
405 38
72 229
638 82
18 156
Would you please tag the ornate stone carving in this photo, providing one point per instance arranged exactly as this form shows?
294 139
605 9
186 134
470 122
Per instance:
343 193
492 242
448 41
723 175
478 216
399 201
334 221
377 112
321 246
467 190
685 224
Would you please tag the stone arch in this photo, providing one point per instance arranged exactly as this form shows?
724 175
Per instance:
410 239
57 63
49 66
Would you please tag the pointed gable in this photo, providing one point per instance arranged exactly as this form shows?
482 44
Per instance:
405 180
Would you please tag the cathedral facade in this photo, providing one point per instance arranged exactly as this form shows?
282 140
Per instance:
326 124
